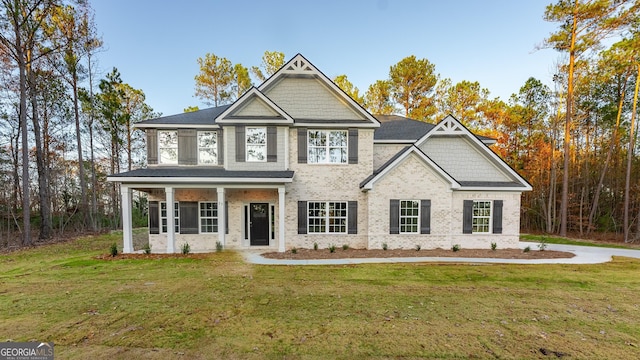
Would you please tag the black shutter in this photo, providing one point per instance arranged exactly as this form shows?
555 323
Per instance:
353 146
220 144
467 217
240 144
302 216
226 217
497 216
154 217
187 147
352 213
394 216
425 216
152 146
188 217
272 144
302 146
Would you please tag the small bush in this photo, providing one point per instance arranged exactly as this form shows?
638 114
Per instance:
315 246
455 247
185 248
147 248
542 246
418 247
384 246
527 249
294 250
113 250
332 248
494 246
218 246
345 247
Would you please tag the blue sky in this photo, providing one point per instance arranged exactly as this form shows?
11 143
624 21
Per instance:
155 44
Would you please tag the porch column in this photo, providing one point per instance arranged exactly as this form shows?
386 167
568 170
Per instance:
222 216
281 247
171 227
127 233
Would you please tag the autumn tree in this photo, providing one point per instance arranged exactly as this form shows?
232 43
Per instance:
343 83
272 61
215 80
412 86
241 80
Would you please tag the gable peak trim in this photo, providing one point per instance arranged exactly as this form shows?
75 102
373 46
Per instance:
256 95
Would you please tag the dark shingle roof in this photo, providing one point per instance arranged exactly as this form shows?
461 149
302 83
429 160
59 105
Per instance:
196 172
394 127
200 117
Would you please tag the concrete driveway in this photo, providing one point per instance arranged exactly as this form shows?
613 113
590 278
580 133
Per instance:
584 255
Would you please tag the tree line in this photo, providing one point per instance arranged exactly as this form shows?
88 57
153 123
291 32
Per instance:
65 126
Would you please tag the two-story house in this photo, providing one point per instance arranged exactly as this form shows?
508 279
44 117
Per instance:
296 161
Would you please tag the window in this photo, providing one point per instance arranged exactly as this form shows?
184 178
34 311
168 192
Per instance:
168 146
207 147
409 215
176 216
481 216
327 147
256 142
327 217
208 217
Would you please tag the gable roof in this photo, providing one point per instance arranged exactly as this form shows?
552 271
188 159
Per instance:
450 126
234 113
398 158
300 69
202 118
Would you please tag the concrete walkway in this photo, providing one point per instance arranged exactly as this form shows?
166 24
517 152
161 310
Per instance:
584 255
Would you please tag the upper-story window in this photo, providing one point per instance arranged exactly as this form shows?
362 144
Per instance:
327 146
207 147
168 146
256 144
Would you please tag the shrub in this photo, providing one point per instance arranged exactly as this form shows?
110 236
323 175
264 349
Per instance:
418 247
455 247
332 248
185 248
218 246
147 248
294 250
494 246
384 246
527 249
113 250
345 247
543 244
315 246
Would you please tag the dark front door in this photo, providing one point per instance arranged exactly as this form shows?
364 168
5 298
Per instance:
259 223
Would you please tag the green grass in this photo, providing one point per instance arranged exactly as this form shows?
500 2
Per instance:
217 306
581 242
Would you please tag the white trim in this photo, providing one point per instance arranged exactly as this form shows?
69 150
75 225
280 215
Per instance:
451 126
400 217
127 231
394 141
299 65
171 236
333 125
248 96
174 126
222 216
281 215
208 217
197 180
413 150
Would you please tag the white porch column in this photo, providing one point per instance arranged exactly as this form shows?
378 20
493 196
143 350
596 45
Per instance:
171 228
281 247
222 216
127 232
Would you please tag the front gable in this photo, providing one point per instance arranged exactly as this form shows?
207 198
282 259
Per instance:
254 107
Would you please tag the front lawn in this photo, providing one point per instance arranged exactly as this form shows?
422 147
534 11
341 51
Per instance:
217 306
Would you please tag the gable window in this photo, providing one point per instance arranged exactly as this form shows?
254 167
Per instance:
176 216
409 216
256 144
327 217
207 147
327 146
481 216
208 217
168 146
